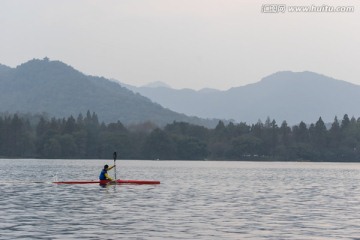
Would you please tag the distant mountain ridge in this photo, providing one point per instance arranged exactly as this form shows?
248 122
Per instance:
58 89
290 96
157 84
4 68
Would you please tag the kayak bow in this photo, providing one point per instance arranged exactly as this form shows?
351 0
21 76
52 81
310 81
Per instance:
118 181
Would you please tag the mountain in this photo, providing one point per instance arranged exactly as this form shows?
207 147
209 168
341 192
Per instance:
157 84
290 96
4 68
58 89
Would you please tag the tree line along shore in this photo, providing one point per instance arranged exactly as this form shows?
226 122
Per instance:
84 137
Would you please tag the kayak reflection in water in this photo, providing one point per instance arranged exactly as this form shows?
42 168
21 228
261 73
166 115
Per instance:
104 175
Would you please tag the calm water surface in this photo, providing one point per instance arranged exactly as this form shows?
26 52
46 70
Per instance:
195 200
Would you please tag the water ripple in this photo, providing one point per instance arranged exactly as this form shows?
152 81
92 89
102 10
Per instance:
196 200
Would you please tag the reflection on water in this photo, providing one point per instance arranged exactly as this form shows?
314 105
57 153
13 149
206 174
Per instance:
195 200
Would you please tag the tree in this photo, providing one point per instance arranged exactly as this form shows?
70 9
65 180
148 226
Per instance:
270 136
335 134
190 148
68 146
257 129
220 131
115 137
319 135
70 125
52 148
301 133
246 146
345 122
158 145
285 134
92 129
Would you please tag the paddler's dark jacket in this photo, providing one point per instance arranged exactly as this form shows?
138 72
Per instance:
104 175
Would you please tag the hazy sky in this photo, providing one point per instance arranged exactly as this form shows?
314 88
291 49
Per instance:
184 43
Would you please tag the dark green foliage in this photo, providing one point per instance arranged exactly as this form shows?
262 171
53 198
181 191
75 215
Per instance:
29 136
245 146
159 145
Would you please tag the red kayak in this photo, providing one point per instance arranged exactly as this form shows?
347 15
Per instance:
110 182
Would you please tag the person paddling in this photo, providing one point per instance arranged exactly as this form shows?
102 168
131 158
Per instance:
104 175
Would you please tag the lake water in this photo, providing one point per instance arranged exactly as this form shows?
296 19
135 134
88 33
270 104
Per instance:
195 200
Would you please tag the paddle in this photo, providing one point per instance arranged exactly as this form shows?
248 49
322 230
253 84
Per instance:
114 155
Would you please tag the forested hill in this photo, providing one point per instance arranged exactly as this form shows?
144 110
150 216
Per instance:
53 87
290 96
4 69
